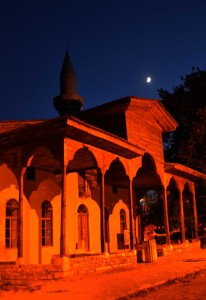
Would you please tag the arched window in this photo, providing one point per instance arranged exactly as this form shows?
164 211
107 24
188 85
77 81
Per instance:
11 228
82 209
83 227
46 221
123 224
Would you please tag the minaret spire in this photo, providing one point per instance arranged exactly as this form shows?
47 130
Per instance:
69 101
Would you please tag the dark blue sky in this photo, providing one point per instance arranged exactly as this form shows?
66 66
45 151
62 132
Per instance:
114 46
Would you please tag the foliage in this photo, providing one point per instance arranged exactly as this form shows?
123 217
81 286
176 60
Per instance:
187 104
187 144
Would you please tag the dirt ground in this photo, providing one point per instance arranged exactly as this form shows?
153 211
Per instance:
192 287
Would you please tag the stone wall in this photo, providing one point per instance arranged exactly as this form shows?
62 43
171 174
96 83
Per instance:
26 274
163 250
13 274
89 264
82 264
176 248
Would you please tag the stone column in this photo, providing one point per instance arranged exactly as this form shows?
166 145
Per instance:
20 220
165 206
63 204
102 213
131 215
182 217
195 210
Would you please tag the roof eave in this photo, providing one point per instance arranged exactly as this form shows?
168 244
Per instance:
101 139
186 172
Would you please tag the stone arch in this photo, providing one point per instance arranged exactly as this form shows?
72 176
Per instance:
116 174
39 163
41 157
8 177
121 205
47 189
148 163
84 163
117 238
187 187
146 180
147 176
116 184
9 189
83 158
117 160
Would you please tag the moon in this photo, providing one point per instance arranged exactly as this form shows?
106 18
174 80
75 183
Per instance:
148 79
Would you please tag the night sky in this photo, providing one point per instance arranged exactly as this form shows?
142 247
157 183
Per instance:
113 45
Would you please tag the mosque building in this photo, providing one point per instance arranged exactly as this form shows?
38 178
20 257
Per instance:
77 184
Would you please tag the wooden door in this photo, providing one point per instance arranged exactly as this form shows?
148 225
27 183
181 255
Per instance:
83 231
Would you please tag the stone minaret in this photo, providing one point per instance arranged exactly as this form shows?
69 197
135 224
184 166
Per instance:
68 102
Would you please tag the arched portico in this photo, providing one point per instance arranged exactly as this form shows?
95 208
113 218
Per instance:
117 185
182 209
146 180
84 164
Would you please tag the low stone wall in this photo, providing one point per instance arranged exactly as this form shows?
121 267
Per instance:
81 264
25 274
162 250
173 249
89 264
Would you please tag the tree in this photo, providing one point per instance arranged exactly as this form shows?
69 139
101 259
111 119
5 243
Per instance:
187 104
187 144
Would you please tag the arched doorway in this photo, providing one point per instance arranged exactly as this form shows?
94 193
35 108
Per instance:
117 188
150 208
83 227
149 197
84 163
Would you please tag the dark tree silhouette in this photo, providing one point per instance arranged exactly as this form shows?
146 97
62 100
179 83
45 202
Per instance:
187 104
187 144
